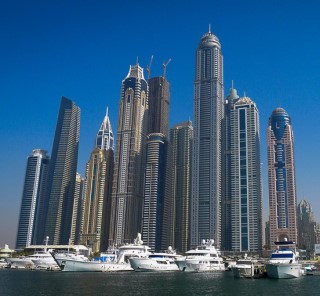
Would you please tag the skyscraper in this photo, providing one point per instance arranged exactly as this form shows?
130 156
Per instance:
127 192
226 166
62 173
33 196
281 177
154 190
105 139
243 175
181 137
159 103
306 226
96 202
95 221
77 210
206 168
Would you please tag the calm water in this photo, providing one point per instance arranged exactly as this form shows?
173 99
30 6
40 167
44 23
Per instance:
21 282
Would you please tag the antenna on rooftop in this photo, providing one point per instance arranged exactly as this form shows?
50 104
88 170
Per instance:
209 28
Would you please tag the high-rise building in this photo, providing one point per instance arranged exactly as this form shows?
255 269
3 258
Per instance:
127 192
306 226
226 166
62 174
96 204
33 196
159 102
154 190
181 138
206 169
105 139
96 209
281 177
243 203
77 210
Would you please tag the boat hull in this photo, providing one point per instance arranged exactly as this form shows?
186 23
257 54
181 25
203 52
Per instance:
283 270
146 264
242 271
93 266
199 266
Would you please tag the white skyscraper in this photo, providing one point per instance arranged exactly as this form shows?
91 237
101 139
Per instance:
105 139
206 170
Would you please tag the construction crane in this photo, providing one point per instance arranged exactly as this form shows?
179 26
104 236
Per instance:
164 65
148 69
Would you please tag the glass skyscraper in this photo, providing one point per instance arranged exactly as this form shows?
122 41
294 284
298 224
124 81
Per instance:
205 213
96 211
127 191
281 177
242 204
33 195
181 138
62 174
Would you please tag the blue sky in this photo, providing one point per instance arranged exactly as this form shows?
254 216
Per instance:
83 49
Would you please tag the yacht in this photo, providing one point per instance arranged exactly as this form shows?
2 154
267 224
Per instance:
119 262
202 259
283 263
247 268
156 261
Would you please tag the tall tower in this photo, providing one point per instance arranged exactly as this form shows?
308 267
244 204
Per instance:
206 168
154 190
105 139
181 138
281 177
159 103
62 173
306 226
33 196
226 226
95 221
127 192
77 209
245 175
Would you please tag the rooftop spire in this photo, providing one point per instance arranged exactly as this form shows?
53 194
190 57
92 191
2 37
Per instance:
104 139
209 28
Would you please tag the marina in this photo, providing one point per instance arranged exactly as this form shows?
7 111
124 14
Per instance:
148 283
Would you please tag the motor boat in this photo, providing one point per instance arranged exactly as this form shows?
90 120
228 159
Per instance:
204 258
284 262
164 261
120 261
247 268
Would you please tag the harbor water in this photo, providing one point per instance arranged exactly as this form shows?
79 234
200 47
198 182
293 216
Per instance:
45 283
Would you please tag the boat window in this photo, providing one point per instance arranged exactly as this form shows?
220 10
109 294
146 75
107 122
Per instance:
283 256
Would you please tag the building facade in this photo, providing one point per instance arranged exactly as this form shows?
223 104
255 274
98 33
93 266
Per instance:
281 178
306 226
127 191
62 174
245 175
206 169
77 210
159 105
97 200
181 139
33 196
154 190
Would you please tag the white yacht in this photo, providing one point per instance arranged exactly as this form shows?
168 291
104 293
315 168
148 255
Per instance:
202 259
119 263
283 263
156 261
247 268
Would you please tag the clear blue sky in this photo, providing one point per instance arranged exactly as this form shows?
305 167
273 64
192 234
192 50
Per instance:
83 49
